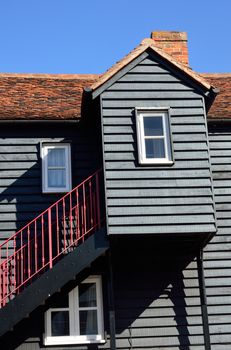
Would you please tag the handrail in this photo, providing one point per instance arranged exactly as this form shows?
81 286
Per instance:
52 234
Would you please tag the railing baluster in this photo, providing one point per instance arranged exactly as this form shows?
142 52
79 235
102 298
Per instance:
70 218
98 201
77 209
36 246
50 239
91 204
15 264
28 251
64 224
84 211
43 256
57 228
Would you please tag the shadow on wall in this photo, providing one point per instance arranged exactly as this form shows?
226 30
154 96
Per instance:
157 301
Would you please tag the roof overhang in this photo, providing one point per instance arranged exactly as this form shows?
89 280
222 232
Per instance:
133 57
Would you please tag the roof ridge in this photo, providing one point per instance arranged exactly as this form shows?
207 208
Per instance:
145 44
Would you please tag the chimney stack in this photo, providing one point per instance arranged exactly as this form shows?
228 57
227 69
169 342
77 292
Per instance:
173 43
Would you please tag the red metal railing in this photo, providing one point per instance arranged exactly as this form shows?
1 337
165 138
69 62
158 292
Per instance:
51 235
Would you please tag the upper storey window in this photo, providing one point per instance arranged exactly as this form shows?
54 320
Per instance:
154 140
56 167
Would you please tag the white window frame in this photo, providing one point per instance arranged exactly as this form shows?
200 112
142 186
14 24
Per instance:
74 310
44 152
153 112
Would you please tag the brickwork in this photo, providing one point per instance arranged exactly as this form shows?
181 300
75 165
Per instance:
174 43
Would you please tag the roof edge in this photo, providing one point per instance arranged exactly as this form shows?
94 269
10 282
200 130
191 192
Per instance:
148 43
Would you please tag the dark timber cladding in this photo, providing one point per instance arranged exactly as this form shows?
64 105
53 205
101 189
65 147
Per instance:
157 299
21 197
218 252
154 199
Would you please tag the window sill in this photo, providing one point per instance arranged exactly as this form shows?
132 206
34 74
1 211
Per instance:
71 341
56 190
164 162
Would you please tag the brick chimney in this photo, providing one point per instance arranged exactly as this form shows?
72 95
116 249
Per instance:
174 43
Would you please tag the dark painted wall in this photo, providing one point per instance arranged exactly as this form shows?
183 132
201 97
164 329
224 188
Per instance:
155 199
157 300
218 252
21 197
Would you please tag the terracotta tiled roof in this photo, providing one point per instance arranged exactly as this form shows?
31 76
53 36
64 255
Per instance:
221 107
59 97
42 96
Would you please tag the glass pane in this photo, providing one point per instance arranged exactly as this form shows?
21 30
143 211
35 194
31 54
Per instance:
153 126
56 177
154 148
59 323
56 157
88 322
87 294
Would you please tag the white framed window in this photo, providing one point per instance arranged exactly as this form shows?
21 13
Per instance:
80 320
56 167
153 136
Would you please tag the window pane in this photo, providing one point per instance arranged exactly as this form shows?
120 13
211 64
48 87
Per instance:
56 157
87 294
59 323
56 177
154 148
88 322
153 126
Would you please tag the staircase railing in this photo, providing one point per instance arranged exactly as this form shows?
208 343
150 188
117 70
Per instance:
51 235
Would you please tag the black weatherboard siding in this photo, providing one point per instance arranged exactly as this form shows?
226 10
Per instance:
218 252
174 199
21 197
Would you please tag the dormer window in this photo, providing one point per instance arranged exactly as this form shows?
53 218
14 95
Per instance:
153 136
56 167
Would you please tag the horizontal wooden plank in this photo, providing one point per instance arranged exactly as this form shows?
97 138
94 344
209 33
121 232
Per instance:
150 183
176 111
214 291
155 173
123 147
147 69
153 77
123 120
163 342
156 193
162 322
149 94
160 331
126 138
151 103
19 149
177 201
158 220
158 210
153 86
181 164
160 229
126 129
198 155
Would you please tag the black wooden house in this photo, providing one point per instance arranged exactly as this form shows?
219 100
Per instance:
115 206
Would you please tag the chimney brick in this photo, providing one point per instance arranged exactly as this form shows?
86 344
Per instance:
174 43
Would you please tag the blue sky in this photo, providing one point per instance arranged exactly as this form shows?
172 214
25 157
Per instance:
77 36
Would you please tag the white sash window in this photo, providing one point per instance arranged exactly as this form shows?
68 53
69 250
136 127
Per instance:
80 319
153 137
56 167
